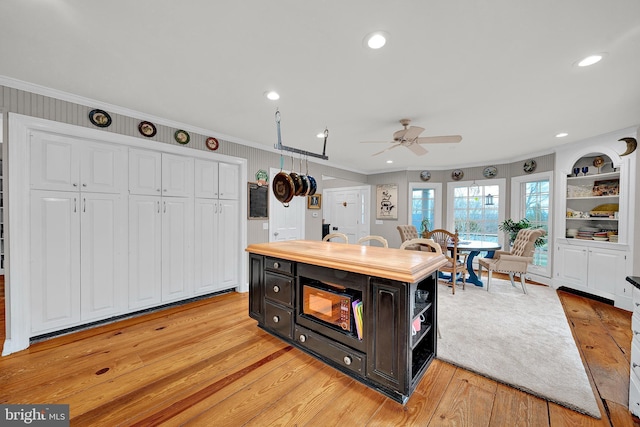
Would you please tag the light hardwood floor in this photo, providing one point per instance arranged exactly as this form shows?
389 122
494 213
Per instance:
207 363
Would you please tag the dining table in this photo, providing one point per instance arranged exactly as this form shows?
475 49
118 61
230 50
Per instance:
474 247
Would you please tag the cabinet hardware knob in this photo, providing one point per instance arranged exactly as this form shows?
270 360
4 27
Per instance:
347 360
636 333
276 289
158 190
84 185
637 304
276 319
276 265
75 185
302 338
165 190
635 365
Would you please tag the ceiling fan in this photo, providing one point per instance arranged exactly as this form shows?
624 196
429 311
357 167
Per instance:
410 137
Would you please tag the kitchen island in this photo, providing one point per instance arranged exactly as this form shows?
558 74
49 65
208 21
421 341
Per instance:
384 337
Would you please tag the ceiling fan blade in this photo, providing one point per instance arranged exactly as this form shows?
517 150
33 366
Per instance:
386 149
417 149
413 132
439 139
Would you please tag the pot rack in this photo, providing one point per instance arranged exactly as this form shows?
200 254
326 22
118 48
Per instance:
281 147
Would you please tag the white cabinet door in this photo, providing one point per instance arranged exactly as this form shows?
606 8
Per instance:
55 260
228 243
145 251
572 262
606 267
229 181
103 168
71 164
206 179
54 162
205 246
145 175
103 267
177 248
177 175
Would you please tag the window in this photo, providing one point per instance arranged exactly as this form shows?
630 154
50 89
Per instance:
425 203
532 200
476 209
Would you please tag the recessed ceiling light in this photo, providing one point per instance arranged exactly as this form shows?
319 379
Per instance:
320 135
591 59
376 39
561 135
272 95
389 161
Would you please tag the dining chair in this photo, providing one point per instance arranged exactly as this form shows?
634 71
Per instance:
421 241
341 238
515 262
369 239
456 262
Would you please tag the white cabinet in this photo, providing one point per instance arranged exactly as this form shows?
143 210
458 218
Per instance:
595 270
70 164
155 173
214 180
177 248
216 263
160 249
145 251
78 265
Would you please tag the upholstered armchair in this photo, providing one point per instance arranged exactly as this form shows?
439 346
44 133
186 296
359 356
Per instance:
408 232
516 261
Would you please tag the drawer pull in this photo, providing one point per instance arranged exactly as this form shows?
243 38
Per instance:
347 360
276 288
303 338
276 319
276 265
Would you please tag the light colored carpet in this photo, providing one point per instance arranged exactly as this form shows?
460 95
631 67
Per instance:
520 340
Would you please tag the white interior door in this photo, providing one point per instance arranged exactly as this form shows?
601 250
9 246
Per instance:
285 223
348 211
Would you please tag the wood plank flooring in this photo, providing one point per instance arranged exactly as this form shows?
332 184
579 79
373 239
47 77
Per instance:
207 363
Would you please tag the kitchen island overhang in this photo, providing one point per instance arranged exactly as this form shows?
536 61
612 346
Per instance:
370 312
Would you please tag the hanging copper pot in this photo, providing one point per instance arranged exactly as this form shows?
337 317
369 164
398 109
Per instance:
297 183
283 188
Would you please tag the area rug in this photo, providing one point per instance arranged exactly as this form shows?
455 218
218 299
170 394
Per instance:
520 340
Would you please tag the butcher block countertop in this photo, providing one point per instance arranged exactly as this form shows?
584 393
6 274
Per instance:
389 263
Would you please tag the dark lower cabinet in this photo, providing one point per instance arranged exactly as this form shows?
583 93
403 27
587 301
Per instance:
391 357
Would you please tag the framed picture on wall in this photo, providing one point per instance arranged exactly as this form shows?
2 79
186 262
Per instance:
387 201
314 202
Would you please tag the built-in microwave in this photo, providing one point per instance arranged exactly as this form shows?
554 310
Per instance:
329 305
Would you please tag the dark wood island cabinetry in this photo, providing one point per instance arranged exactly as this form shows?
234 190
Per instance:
308 294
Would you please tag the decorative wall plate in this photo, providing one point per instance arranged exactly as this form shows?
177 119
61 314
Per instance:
490 172
100 118
425 175
147 129
181 136
212 143
529 166
457 175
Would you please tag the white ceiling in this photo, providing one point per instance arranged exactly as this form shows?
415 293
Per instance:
500 73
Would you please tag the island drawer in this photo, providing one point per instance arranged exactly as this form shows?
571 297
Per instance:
279 265
279 288
278 319
345 357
